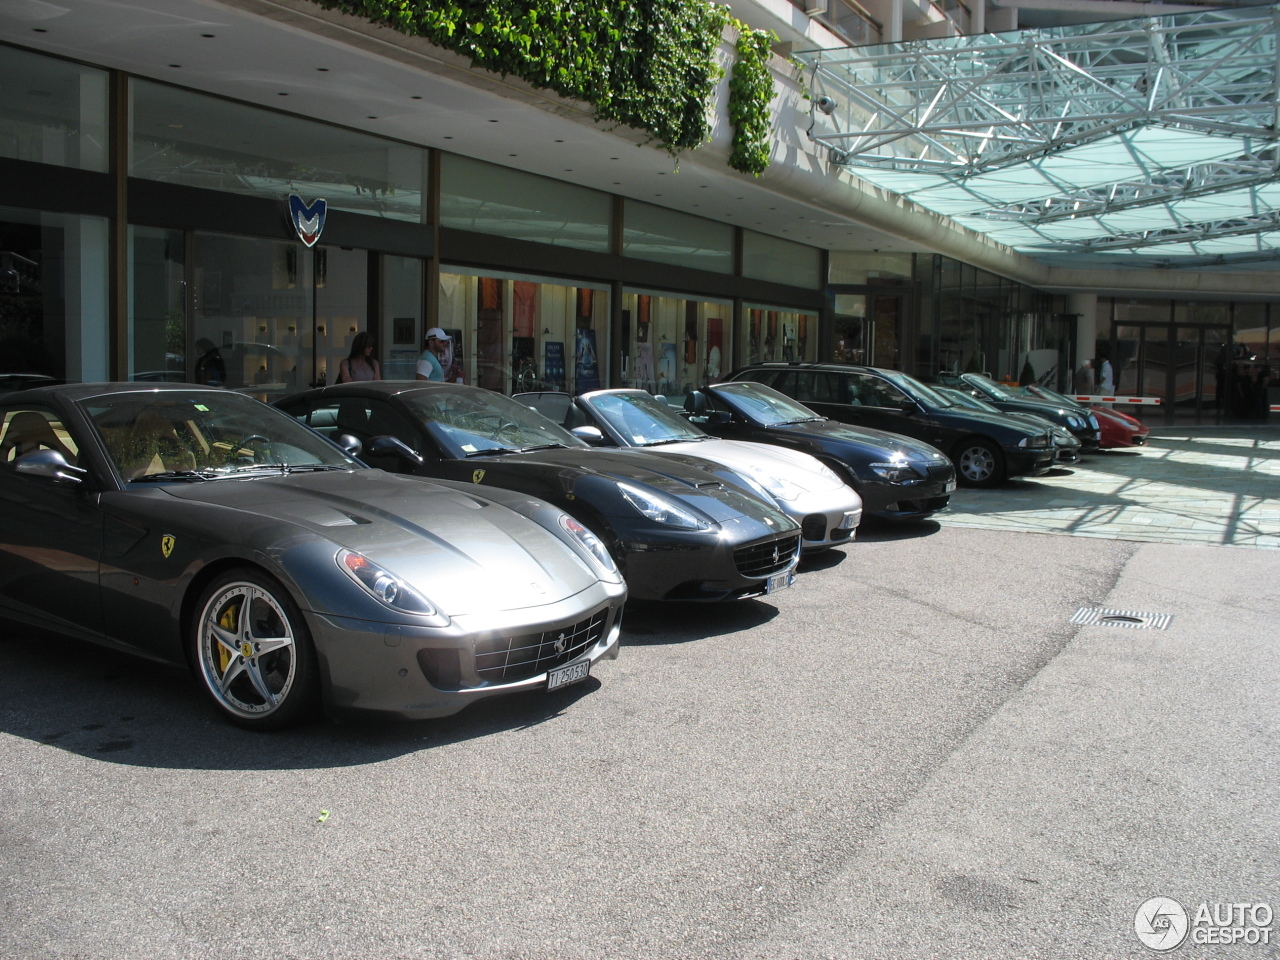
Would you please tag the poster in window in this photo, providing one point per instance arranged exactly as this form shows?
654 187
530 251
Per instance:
667 368
586 369
644 365
553 364
523 300
715 347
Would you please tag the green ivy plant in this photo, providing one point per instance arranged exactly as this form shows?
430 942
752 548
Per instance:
750 93
646 64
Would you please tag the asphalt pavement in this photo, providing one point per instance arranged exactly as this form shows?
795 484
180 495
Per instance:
913 752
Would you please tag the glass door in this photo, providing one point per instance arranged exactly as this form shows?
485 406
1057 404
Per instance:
1198 387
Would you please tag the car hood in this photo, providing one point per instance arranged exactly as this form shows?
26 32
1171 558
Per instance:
1043 408
876 443
1115 416
451 545
695 482
970 419
793 466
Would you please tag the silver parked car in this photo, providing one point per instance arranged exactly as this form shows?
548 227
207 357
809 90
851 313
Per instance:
196 525
827 509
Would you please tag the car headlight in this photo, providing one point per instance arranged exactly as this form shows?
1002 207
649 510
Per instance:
775 485
1093 421
589 542
661 510
895 471
384 587
1040 440
1075 423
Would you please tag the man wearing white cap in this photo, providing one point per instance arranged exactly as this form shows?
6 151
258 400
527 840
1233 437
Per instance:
430 364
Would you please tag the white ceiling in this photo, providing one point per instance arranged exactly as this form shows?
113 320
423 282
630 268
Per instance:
370 81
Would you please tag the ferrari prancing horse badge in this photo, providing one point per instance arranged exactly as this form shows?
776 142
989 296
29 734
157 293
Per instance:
477 476
166 545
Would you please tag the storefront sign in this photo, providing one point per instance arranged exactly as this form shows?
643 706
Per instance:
308 221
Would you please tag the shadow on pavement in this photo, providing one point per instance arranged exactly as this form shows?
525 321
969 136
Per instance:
649 622
879 530
108 706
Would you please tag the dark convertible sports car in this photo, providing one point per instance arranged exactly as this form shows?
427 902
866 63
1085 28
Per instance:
680 528
192 524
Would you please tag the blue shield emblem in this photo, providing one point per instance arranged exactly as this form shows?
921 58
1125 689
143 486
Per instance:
308 221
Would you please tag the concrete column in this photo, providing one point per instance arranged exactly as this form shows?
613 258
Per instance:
978 18
893 28
1085 307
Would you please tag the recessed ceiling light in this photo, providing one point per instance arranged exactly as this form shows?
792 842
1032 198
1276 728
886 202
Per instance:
281 94
702 186
559 141
448 138
176 66
493 121
175 126
617 183
662 173
207 36
512 154
322 69
415 98
371 117
39 30
568 169
613 158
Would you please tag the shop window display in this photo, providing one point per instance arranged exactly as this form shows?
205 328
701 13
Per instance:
780 335
526 333
674 345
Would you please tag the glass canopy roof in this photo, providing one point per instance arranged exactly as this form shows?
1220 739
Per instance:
1136 141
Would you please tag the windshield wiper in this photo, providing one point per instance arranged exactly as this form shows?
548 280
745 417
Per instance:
541 446
168 475
783 423
658 443
493 452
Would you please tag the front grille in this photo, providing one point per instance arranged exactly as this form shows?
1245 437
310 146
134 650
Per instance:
509 659
767 558
841 534
941 471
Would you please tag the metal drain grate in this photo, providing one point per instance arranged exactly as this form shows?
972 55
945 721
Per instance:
1104 617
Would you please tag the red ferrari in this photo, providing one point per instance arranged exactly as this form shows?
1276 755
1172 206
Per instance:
1115 429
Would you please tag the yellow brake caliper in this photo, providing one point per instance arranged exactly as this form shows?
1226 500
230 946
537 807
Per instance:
228 621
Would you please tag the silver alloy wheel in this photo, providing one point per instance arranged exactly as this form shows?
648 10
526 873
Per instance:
247 650
977 463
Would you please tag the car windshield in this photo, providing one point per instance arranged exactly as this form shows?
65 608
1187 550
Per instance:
763 405
479 422
204 435
962 399
1044 393
643 420
917 390
990 386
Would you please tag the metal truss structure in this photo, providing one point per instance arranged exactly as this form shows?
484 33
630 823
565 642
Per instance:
1153 136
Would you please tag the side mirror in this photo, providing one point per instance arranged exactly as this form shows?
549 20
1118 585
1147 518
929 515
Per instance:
49 464
590 434
348 443
385 446
909 407
695 402
720 418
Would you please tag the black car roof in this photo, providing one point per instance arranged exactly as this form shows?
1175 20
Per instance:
815 365
76 392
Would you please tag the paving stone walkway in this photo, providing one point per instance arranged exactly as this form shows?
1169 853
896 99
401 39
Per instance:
1209 485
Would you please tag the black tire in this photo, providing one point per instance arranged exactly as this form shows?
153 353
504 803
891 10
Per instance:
260 673
979 462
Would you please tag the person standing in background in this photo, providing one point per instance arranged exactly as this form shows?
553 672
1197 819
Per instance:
360 364
430 365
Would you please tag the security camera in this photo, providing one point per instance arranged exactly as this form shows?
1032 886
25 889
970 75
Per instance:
826 104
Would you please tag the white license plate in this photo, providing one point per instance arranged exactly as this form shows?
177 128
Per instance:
850 520
569 673
951 487
779 581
